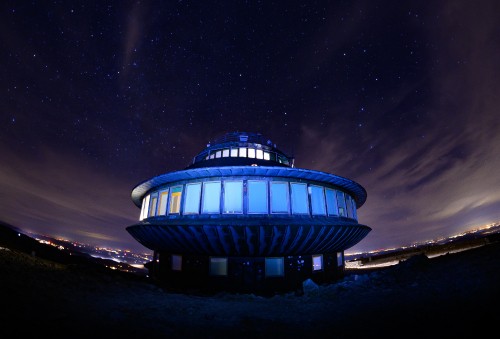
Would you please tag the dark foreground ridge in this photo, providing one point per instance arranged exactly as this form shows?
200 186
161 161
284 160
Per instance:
450 295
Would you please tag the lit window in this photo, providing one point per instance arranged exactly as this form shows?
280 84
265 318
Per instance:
317 200
266 156
176 262
145 207
299 198
257 197
317 261
218 154
279 197
233 196
225 153
243 152
211 197
234 152
251 152
175 199
162 206
341 203
331 202
348 205
152 207
259 154
354 211
212 156
340 260
218 266
275 267
192 199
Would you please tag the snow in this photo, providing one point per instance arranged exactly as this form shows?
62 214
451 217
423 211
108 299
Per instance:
448 295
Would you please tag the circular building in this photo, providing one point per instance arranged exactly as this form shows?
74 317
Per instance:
242 218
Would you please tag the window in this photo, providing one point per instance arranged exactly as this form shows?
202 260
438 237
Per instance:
317 262
218 266
211 197
279 197
192 199
233 196
340 260
234 152
348 202
331 202
341 203
218 154
259 154
243 152
162 206
251 152
175 199
317 200
275 267
145 207
152 207
266 156
354 211
225 153
257 197
299 198
176 262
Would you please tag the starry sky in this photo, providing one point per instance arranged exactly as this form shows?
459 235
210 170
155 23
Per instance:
401 96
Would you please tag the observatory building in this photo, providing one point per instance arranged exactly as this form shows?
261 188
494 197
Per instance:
242 218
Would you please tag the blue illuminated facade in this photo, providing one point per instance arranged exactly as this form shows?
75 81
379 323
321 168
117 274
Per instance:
242 218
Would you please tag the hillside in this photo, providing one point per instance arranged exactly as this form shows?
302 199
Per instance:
448 295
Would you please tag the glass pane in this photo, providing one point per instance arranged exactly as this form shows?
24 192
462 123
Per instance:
354 211
162 207
274 267
317 262
211 197
175 200
257 197
259 154
348 205
317 200
225 153
243 152
192 200
176 262
279 197
152 207
251 152
218 154
341 203
233 197
331 202
145 206
218 266
234 152
266 156
299 198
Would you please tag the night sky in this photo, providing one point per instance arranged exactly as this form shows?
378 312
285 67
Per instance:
401 96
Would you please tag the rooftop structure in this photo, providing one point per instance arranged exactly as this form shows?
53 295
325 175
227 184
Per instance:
242 218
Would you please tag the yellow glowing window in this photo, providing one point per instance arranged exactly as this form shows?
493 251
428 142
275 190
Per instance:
175 200
162 206
152 209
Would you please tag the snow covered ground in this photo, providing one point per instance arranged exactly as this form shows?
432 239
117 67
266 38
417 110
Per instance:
449 295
